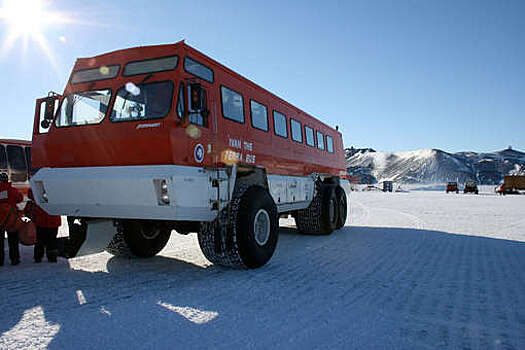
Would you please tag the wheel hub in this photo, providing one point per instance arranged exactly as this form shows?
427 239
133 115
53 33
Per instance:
331 210
150 231
261 227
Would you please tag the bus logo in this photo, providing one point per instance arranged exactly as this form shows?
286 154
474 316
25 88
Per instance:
198 153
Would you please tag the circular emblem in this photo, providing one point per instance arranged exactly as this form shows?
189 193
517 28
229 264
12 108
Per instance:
198 153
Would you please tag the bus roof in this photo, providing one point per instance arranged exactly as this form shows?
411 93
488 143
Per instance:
164 49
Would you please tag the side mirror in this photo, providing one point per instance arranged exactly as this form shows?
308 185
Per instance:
196 97
50 108
45 124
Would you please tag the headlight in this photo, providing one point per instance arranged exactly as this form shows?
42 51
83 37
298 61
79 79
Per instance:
161 187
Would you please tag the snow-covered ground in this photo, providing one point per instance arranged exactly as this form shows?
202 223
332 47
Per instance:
412 270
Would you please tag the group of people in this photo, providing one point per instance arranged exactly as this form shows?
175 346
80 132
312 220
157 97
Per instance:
46 225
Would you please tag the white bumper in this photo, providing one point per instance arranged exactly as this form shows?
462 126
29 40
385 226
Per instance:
125 192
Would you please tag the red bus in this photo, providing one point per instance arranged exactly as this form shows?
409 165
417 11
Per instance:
163 137
15 161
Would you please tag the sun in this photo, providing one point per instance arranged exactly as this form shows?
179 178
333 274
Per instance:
24 18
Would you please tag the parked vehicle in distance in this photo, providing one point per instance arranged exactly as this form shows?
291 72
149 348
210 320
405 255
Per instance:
512 184
471 187
161 138
452 187
15 161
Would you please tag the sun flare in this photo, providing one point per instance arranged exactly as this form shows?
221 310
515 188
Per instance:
23 17
26 20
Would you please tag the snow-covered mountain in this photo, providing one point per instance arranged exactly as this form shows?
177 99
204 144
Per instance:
433 166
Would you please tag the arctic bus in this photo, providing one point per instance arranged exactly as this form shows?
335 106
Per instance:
163 138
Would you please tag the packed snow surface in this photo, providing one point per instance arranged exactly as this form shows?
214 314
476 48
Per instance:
409 271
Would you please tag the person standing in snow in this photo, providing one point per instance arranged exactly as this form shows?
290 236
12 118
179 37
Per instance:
46 230
9 197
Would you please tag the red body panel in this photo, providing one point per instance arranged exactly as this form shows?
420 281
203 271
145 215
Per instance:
119 144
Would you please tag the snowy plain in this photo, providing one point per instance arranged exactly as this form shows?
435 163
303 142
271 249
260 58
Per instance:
417 270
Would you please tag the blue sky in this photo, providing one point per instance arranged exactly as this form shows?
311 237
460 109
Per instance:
394 75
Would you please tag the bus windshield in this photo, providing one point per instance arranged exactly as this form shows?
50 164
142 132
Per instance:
145 101
83 108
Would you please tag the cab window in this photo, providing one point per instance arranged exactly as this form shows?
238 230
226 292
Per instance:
83 108
180 102
142 102
151 66
94 74
198 69
198 117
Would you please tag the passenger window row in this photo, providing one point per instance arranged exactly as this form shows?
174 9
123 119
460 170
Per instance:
232 105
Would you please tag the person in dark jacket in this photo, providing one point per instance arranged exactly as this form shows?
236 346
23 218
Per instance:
46 230
9 195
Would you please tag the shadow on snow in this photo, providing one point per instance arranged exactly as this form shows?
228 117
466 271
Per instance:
361 287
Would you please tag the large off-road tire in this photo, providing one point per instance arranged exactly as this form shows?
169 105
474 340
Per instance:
246 233
145 238
321 216
342 206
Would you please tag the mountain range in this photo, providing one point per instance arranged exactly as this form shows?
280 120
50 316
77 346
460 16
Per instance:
433 166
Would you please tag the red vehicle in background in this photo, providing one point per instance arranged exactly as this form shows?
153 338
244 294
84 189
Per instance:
15 161
452 187
163 137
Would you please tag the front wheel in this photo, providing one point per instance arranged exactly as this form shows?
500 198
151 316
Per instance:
145 238
245 234
257 227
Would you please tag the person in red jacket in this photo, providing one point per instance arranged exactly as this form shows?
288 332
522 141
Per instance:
46 230
9 195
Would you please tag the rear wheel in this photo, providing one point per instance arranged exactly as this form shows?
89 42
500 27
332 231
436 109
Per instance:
342 206
322 215
145 238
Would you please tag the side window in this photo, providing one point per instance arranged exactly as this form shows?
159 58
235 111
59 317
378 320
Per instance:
196 117
309 132
279 124
3 159
198 69
259 114
232 105
329 144
16 159
180 102
320 141
297 134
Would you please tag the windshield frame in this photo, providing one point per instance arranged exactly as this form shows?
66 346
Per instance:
168 112
64 97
